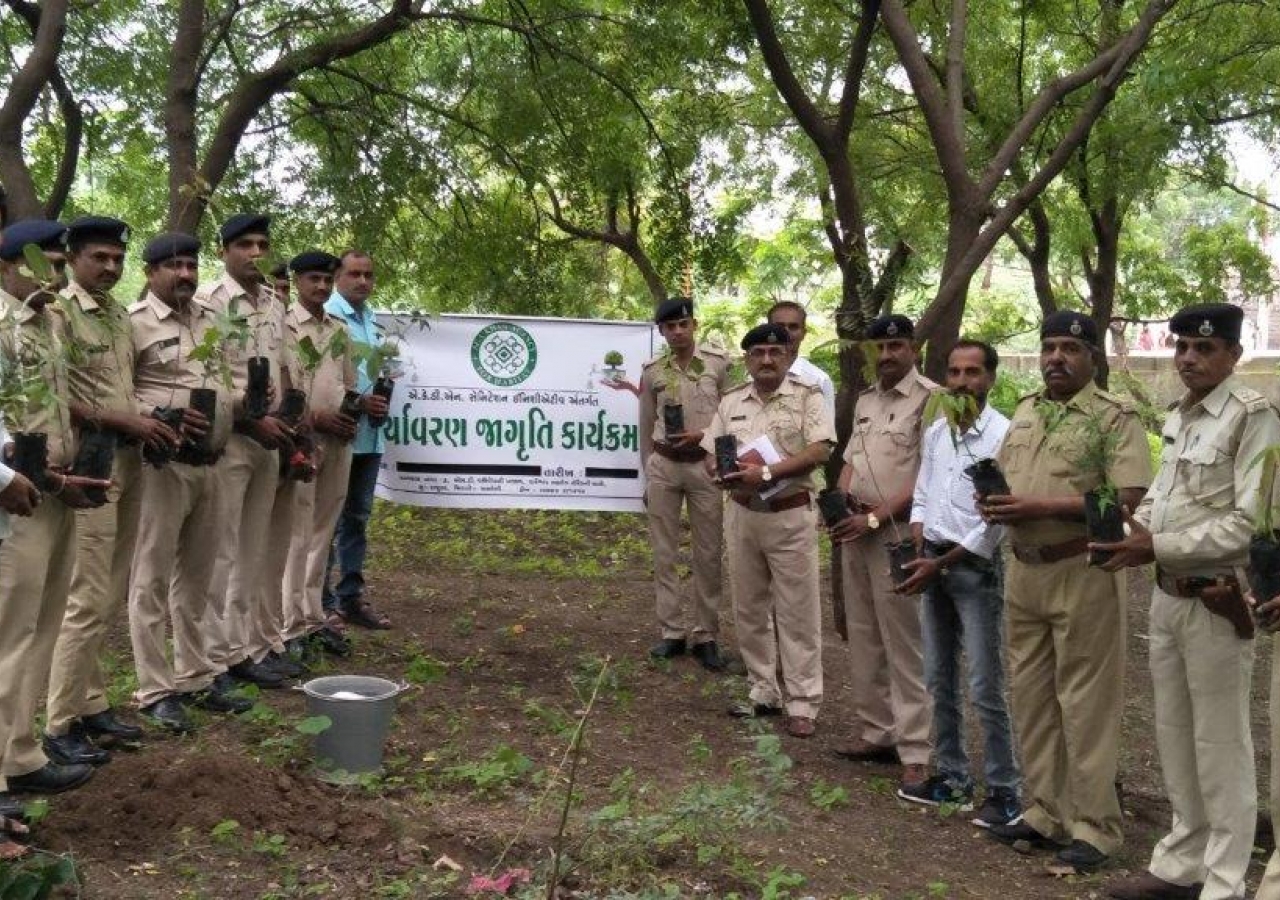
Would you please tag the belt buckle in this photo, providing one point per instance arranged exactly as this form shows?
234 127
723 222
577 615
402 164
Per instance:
1033 556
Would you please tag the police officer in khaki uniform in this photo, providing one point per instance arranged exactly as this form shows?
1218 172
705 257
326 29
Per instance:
771 527
101 383
37 559
180 509
248 472
318 503
691 377
1268 614
1195 524
1066 620
891 706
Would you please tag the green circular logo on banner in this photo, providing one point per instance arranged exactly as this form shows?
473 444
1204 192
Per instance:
504 354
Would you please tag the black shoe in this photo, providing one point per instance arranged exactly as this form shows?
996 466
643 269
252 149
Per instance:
751 710
223 683
70 750
213 701
938 790
708 655
1021 836
283 665
12 808
51 778
167 713
1000 808
254 673
668 648
330 642
105 724
1083 857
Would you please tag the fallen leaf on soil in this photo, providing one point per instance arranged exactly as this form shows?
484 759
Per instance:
445 862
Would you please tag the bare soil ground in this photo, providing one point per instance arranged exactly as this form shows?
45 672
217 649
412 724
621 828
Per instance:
506 622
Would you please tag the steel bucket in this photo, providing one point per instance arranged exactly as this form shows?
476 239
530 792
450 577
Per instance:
360 709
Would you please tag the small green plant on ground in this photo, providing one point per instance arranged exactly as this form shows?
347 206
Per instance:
501 769
424 669
269 844
36 878
827 796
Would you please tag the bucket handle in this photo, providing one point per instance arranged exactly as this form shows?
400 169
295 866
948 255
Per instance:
402 688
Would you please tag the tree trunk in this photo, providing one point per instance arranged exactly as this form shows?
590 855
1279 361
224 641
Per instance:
22 201
187 198
963 226
1107 224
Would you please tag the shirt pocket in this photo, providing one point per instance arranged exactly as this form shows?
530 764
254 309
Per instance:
1015 451
1208 472
703 396
786 427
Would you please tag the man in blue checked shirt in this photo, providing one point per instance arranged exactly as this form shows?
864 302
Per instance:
960 574
353 285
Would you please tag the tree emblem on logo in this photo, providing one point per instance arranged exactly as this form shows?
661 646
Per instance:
504 354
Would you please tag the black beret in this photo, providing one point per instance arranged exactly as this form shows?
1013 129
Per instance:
890 327
766 334
1220 320
44 233
673 309
313 261
168 245
280 270
104 229
1069 323
242 224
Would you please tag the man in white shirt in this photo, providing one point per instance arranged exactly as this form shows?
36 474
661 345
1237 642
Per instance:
792 316
960 574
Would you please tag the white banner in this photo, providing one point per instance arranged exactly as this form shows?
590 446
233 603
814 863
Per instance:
508 412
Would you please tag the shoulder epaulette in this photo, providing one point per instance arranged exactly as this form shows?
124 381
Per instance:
1254 401
1123 403
713 350
805 383
736 388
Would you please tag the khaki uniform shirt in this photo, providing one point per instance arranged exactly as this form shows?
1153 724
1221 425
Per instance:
1041 462
884 449
36 344
265 316
333 377
101 351
793 417
164 372
663 382
1201 504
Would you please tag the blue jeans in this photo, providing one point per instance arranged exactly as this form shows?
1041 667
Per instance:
963 609
349 543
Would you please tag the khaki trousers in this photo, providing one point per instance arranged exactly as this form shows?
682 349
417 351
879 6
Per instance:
36 562
246 477
1269 889
266 612
1066 664
1203 675
319 504
105 538
669 486
172 566
773 572
891 703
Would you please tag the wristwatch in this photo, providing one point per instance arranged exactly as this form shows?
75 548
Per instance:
872 522
765 475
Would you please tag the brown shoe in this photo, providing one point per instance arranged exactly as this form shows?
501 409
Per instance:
859 750
913 776
1148 887
800 726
